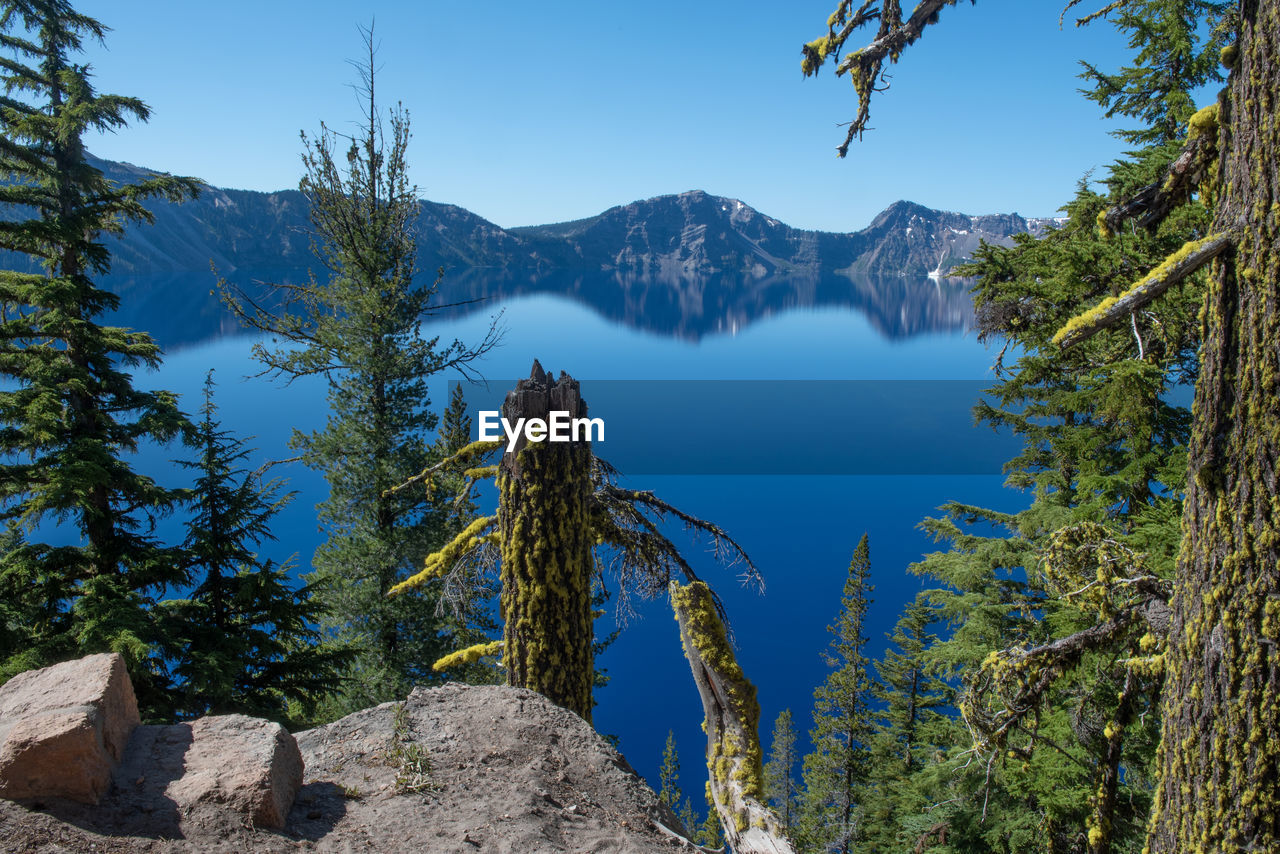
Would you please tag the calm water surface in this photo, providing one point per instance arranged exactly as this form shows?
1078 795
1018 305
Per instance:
799 530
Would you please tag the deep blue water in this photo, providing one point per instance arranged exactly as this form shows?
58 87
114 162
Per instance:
799 529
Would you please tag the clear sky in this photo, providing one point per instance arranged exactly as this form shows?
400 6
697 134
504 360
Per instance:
533 112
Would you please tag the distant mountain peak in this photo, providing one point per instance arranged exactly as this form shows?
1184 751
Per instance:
692 233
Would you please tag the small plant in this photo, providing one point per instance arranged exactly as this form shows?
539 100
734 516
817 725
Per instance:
410 759
351 793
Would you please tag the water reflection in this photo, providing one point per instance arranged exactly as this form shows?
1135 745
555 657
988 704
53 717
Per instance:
181 309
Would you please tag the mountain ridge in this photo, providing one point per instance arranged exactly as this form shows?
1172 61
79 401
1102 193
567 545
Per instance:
689 234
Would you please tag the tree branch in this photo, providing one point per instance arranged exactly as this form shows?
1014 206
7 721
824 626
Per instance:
1176 268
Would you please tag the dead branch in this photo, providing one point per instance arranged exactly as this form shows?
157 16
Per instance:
732 720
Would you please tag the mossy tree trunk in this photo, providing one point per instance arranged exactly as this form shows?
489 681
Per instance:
545 538
1219 759
732 723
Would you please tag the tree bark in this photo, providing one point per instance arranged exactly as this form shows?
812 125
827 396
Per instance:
545 539
1219 757
732 722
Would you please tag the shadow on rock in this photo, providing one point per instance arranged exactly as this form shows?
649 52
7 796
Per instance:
137 803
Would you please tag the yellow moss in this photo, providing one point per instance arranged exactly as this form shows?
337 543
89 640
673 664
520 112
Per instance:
729 759
1204 122
1083 320
815 54
1093 315
1229 56
1103 231
440 562
468 655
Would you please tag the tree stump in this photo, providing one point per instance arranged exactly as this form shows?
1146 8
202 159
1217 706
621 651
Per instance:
545 539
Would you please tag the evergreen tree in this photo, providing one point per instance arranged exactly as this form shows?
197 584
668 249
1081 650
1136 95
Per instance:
779 772
711 834
911 727
466 592
1169 62
669 773
669 791
836 772
245 636
361 330
1071 659
71 415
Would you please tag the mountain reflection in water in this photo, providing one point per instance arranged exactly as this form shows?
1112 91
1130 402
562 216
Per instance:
181 309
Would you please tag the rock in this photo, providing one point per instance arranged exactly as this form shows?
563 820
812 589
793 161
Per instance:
499 761
246 766
64 728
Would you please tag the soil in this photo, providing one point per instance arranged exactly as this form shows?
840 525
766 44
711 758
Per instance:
453 769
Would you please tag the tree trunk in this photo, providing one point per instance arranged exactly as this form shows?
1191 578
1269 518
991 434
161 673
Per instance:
546 545
732 722
1219 758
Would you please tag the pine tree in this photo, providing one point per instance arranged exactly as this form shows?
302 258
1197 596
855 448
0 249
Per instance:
669 773
361 330
466 592
1169 62
909 730
245 635
837 771
71 415
1105 579
711 834
779 772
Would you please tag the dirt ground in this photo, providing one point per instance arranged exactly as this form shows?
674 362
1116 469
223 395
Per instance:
453 769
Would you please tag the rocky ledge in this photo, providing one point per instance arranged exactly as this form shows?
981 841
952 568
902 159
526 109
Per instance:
452 769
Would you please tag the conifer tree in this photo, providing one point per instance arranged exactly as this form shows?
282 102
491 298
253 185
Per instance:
244 635
669 773
669 791
1106 585
910 727
361 330
1170 61
837 770
70 412
711 833
779 772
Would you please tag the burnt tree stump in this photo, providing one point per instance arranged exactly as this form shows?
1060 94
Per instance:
545 540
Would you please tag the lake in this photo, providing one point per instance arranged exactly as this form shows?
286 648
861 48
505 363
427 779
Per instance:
879 376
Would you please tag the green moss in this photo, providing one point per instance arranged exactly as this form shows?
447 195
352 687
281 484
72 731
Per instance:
545 542
729 760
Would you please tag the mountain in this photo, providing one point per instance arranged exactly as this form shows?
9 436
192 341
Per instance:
673 237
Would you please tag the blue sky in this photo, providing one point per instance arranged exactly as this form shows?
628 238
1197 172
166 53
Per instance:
541 112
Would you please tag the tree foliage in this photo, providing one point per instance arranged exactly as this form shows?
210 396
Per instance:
837 771
71 414
360 328
244 636
1056 617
